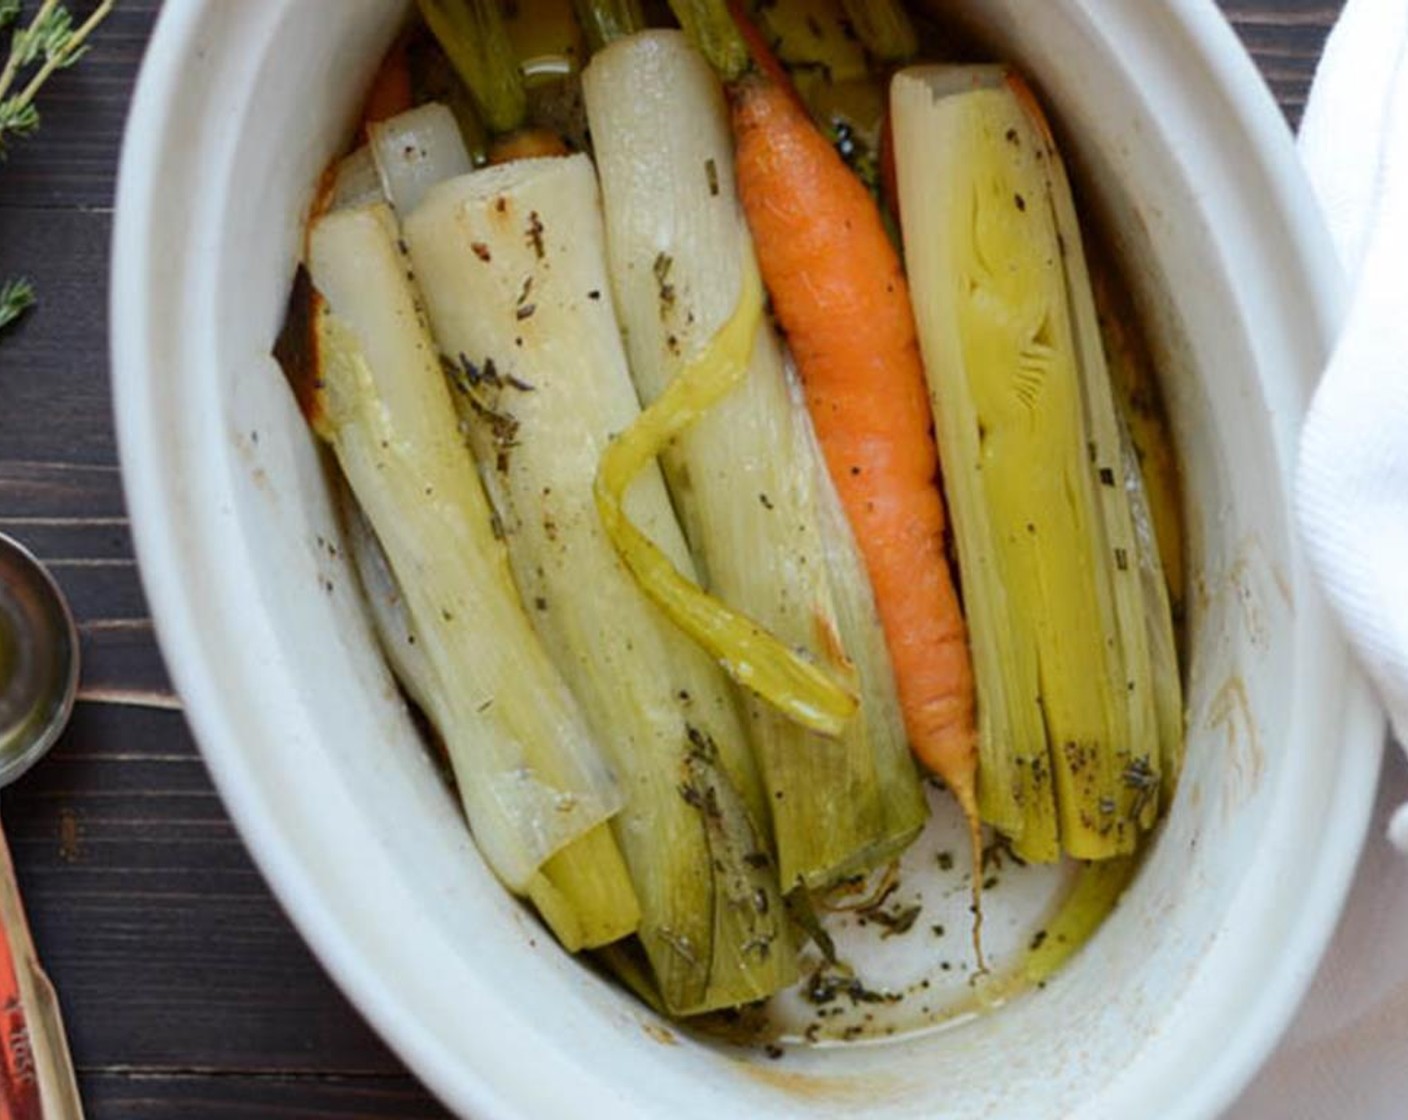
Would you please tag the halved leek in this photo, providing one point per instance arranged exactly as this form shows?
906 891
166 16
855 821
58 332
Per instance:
512 260
529 774
1074 715
1133 372
747 479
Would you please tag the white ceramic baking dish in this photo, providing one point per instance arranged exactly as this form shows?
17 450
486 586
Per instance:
1184 991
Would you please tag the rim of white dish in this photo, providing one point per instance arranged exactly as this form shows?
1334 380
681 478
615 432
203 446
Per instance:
196 631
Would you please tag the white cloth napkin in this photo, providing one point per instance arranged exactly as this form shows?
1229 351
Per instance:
1346 1056
1353 481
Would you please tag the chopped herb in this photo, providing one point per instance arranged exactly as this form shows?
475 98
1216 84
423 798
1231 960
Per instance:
711 173
663 264
897 921
702 748
826 987
854 150
535 235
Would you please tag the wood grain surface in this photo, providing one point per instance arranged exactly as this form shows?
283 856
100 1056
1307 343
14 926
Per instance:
188 995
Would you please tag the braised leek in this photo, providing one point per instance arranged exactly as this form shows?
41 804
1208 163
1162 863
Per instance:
884 27
529 774
1075 714
748 481
415 150
512 260
473 36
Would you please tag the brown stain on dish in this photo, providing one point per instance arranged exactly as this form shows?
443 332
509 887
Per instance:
1231 711
660 1033
859 1092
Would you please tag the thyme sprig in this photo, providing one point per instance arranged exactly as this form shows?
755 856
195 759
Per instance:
16 297
48 43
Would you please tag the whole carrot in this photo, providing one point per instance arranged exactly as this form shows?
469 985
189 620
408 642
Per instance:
390 92
839 291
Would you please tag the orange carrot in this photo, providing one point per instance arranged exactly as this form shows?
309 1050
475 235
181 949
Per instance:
839 291
391 92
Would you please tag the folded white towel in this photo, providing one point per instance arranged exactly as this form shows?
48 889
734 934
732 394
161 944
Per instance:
1344 1056
1353 480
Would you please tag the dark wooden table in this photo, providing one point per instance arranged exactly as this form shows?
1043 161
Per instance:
188 995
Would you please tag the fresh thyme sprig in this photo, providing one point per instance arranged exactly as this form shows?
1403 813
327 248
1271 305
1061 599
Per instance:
16 297
49 43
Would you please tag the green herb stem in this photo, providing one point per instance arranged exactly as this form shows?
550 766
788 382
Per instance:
50 35
20 50
16 297
65 54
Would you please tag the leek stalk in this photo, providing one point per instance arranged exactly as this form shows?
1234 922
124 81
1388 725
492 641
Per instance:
1075 721
529 774
473 37
812 37
711 29
512 260
748 480
567 888
605 21
415 150
884 27
795 685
